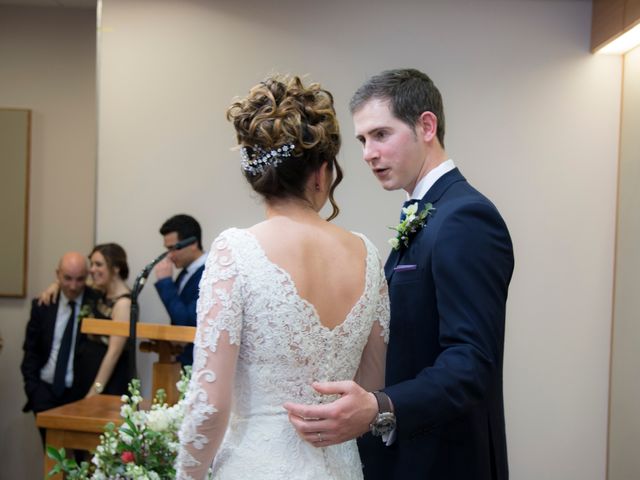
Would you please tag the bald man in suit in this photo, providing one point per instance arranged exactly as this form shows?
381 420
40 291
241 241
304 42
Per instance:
49 368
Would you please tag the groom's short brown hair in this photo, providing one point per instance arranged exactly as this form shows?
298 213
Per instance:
410 93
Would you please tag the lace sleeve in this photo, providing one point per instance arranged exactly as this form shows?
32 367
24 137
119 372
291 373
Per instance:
217 342
370 375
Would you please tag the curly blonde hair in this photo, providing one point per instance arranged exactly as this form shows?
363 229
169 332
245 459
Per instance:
282 111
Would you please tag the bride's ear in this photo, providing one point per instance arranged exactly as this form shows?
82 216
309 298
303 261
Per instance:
322 178
318 186
315 181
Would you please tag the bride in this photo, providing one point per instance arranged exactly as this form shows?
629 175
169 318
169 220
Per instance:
291 300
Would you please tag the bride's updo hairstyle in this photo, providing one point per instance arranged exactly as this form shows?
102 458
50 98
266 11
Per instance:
286 131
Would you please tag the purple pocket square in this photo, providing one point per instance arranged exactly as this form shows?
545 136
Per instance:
404 268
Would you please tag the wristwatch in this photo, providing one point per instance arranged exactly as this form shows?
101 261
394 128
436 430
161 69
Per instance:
385 420
98 387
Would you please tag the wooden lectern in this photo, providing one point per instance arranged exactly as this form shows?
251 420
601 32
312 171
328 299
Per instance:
79 424
157 338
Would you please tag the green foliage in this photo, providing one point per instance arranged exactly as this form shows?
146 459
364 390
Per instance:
412 223
144 447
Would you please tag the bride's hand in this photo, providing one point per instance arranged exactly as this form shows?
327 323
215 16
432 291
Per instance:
49 295
336 422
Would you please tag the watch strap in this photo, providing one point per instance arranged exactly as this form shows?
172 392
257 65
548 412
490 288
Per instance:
384 402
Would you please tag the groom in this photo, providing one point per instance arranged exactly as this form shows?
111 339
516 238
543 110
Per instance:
441 416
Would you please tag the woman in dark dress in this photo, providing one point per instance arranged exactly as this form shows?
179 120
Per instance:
108 356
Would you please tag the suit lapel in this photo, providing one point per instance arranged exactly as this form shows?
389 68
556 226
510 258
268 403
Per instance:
432 196
51 315
442 184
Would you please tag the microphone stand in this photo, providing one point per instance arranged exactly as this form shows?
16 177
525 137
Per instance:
134 311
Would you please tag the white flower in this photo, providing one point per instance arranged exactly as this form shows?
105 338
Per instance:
158 420
124 437
411 224
126 410
112 445
411 209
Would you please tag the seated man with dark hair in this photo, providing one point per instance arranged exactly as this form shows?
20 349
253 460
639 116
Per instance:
180 296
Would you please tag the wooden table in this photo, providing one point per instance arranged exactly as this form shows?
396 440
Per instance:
78 425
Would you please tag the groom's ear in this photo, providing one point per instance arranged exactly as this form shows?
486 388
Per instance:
427 126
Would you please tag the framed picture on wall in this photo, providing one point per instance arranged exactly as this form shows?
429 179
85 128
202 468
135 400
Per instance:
15 140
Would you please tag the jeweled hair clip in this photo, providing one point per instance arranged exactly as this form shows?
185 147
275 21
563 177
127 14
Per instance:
256 159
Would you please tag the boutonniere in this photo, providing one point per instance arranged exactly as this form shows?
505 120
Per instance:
85 311
413 222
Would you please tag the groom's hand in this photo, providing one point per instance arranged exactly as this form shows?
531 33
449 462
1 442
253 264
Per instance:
332 423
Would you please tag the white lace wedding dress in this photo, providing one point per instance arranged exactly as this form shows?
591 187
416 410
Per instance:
259 345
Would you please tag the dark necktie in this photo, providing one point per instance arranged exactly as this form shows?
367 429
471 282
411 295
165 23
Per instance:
63 354
405 205
180 276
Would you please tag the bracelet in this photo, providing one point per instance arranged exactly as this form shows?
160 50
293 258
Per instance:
98 387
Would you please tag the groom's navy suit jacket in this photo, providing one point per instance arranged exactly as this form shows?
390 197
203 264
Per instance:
444 359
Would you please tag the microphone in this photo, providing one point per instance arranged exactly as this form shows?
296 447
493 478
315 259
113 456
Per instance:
135 291
183 243
142 278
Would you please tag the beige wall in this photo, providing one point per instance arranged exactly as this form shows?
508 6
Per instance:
532 119
624 434
47 64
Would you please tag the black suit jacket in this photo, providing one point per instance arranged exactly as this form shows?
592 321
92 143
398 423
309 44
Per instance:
37 347
444 360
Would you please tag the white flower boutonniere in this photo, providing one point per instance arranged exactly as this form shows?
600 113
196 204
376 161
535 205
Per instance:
412 224
85 311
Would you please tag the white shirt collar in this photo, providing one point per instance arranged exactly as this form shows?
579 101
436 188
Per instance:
426 182
196 264
191 269
64 301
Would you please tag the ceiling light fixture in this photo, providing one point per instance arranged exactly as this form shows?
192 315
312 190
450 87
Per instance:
622 43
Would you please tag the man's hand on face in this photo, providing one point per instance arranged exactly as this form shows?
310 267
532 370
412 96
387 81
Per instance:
163 269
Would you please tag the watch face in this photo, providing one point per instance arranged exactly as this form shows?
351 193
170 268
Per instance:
384 423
